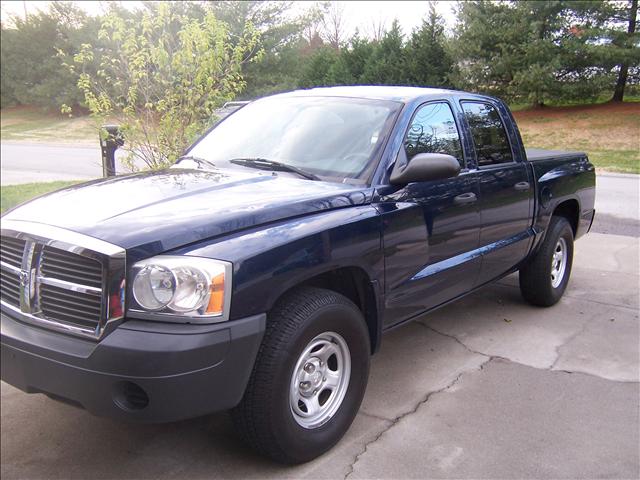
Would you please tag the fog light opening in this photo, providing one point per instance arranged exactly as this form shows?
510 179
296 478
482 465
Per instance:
130 396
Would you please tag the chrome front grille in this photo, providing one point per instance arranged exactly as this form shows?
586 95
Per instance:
11 251
57 263
71 307
60 279
10 287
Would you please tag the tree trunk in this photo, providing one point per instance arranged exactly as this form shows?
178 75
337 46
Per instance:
618 93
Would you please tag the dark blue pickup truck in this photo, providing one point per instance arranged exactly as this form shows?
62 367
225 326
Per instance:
259 272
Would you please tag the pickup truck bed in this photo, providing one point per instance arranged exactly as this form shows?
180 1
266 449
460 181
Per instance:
539 154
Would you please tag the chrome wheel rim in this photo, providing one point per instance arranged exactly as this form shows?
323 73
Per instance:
320 380
558 262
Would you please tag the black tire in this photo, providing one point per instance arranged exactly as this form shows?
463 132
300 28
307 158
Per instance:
536 283
264 417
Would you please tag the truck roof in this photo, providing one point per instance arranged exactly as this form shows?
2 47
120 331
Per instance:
376 92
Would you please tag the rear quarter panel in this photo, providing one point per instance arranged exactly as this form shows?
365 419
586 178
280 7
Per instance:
559 180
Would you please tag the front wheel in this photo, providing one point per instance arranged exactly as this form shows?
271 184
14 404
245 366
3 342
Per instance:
544 278
309 377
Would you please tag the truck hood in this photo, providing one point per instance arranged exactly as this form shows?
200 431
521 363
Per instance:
150 213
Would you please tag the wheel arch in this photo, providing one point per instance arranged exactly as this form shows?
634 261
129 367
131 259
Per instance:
354 283
569 209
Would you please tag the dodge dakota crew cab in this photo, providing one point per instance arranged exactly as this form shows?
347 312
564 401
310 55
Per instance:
259 272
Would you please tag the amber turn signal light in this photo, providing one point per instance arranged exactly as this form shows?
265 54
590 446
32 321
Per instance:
216 295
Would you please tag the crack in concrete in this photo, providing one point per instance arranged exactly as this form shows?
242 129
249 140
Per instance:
457 340
399 417
608 304
377 417
577 372
506 359
569 339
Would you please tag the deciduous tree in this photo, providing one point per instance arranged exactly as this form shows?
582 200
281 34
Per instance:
162 77
32 71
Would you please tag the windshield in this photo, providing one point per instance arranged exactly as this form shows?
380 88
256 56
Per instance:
327 136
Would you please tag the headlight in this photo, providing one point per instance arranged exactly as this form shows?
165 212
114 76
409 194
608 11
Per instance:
181 288
154 286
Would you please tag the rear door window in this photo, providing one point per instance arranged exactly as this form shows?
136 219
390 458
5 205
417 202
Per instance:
489 136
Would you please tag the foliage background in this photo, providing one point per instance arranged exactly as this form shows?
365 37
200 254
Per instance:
529 52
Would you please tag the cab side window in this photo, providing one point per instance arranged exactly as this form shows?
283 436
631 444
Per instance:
433 130
489 136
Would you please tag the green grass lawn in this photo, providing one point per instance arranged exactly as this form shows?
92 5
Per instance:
609 133
624 161
12 195
25 124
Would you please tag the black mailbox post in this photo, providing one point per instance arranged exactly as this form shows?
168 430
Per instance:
110 139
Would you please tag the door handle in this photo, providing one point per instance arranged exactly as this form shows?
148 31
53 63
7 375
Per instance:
522 186
465 198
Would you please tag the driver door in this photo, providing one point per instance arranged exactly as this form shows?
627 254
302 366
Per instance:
431 229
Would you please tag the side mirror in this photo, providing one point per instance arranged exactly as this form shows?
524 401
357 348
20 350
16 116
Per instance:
424 167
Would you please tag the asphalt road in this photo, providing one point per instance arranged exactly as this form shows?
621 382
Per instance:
617 204
488 387
34 162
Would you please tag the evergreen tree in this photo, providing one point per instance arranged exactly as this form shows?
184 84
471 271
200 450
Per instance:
319 69
626 47
354 60
538 51
388 65
428 62
488 43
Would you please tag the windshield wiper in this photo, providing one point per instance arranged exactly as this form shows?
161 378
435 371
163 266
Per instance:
266 164
199 160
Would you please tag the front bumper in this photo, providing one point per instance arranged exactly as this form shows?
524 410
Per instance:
142 371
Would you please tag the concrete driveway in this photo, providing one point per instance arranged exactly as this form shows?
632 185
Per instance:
488 387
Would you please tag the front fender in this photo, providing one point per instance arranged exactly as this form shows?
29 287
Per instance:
272 259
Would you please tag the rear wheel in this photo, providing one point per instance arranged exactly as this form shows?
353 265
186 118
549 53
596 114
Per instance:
309 377
544 279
